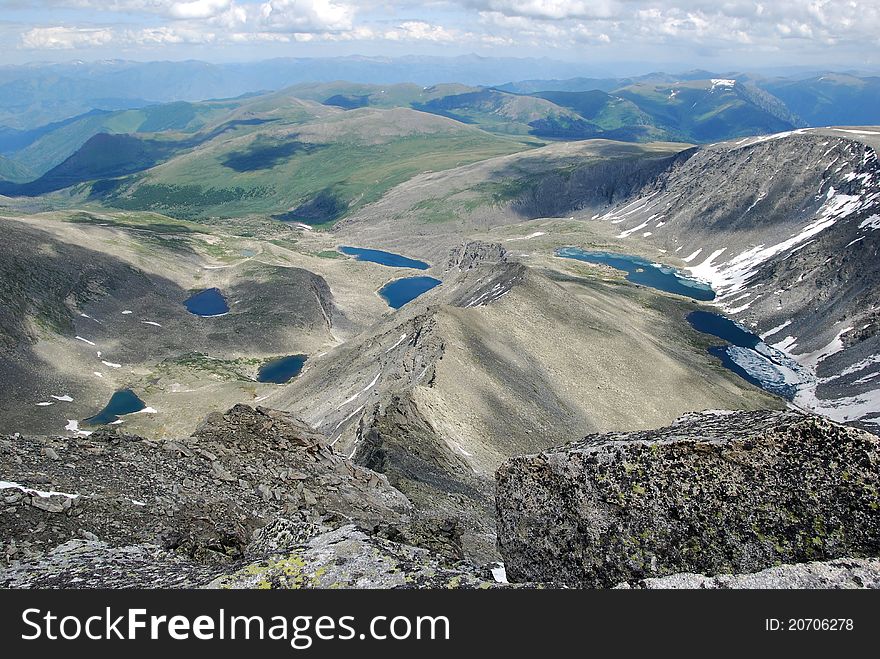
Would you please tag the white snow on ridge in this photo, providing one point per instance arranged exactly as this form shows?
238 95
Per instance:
786 345
855 368
840 409
362 391
79 338
734 274
629 232
111 364
399 341
64 399
722 82
872 222
693 256
775 330
812 359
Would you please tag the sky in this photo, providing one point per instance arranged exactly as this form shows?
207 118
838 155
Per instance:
712 34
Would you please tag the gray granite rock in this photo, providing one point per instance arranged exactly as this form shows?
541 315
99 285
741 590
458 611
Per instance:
714 493
848 573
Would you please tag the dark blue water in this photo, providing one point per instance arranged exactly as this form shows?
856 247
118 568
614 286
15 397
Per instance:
640 271
279 371
384 258
400 291
207 303
124 401
746 354
724 328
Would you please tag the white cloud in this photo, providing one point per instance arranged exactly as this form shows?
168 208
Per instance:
549 9
675 27
305 15
54 38
198 8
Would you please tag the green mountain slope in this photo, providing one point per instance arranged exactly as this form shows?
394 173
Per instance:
313 172
616 117
709 110
13 171
831 99
55 146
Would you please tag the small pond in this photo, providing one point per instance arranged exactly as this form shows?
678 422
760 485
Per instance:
207 303
279 371
381 257
400 291
122 402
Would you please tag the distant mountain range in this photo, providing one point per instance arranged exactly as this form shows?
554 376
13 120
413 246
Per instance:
696 107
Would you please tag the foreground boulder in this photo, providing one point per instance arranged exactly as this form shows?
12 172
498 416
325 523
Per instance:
715 493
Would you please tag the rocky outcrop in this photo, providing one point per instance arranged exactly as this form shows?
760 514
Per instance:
349 558
848 573
82 563
255 498
284 554
202 496
475 253
714 493
478 273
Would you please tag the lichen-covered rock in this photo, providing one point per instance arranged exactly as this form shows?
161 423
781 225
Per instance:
349 558
845 573
95 564
714 493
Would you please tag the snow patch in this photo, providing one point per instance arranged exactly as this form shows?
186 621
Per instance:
8 485
775 330
722 82
73 426
399 341
537 234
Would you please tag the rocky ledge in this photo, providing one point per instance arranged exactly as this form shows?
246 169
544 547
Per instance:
713 494
254 498
849 573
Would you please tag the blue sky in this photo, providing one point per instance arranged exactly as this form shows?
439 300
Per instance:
697 33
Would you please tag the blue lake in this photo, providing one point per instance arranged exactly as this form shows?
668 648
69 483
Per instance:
279 371
747 355
400 291
724 328
645 273
124 401
207 303
390 259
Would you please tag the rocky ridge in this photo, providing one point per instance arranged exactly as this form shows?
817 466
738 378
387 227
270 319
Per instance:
250 485
784 227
